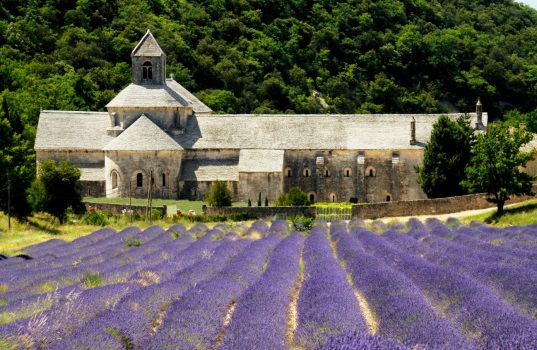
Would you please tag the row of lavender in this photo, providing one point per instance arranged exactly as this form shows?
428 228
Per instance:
429 286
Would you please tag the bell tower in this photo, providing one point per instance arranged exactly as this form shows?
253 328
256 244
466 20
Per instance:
148 62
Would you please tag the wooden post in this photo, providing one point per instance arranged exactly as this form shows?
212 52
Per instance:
8 205
130 200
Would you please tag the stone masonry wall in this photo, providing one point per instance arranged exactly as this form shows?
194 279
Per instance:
426 206
265 213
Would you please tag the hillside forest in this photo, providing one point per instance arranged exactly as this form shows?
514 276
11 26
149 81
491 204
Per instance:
265 56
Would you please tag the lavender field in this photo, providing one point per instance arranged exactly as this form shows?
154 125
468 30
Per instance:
339 286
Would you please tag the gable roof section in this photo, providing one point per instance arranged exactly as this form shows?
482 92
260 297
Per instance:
72 130
135 95
148 46
260 161
306 132
143 135
197 105
170 94
209 170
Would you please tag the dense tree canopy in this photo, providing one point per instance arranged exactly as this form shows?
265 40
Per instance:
264 56
219 195
446 155
494 167
295 196
56 189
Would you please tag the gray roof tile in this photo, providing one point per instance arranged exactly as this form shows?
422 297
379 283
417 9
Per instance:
303 132
148 46
171 94
209 170
72 130
143 135
260 161
91 172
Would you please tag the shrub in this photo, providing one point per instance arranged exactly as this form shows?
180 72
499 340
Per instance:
303 224
96 217
132 242
91 279
295 196
156 214
219 195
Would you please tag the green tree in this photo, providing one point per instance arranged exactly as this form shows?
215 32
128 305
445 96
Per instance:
446 155
219 195
56 189
295 196
17 164
495 164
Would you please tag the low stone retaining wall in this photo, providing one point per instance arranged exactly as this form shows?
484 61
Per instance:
265 213
118 208
427 206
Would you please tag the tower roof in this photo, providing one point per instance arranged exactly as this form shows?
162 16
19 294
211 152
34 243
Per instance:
148 46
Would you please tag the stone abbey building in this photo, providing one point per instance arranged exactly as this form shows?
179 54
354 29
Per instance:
155 128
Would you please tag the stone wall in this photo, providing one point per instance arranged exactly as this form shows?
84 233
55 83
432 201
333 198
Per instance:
265 213
127 165
251 184
93 188
117 209
354 176
426 206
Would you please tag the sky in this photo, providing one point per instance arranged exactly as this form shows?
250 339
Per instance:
532 3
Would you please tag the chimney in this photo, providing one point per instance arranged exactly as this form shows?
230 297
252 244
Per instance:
413 132
479 113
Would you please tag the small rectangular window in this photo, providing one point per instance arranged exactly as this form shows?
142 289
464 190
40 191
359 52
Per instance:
361 158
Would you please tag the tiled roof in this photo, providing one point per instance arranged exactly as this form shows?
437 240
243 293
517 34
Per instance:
209 170
91 172
171 94
143 135
303 132
148 46
198 106
260 161
72 130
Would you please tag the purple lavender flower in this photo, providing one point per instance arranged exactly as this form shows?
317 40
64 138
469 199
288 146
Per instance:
471 306
326 303
400 309
197 319
261 315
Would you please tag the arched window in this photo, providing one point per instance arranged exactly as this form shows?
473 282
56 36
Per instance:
306 172
288 172
388 198
139 180
347 172
370 171
114 180
333 197
312 197
147 73
163 180
326 172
